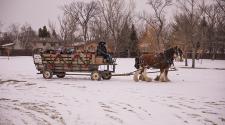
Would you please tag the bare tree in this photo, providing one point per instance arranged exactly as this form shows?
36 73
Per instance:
211 13
181 32
63 28
215 16
220 33
26 35
115 15
221 4
52 28
84 13
98 29
157 20
51 25
190 10
68 28
14 31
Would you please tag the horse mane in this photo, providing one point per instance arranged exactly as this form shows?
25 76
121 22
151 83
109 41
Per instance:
169 52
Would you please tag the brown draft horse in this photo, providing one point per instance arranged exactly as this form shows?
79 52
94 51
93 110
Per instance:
162 61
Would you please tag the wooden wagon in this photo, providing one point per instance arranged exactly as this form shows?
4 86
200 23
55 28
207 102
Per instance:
87 63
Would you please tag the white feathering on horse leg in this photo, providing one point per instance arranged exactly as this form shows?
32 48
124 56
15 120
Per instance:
157 78
146 78
167 79
166 75
135 77
162 76
141 77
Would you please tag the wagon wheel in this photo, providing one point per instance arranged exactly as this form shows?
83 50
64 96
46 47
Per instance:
61 75
47 74
106 75
95 75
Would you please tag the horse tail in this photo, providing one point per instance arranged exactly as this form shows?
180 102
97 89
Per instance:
137 63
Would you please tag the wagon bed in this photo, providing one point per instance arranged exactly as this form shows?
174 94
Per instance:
86 63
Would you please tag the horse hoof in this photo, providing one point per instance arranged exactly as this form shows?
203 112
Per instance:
148 79
141 77
164 80
157 78
136 79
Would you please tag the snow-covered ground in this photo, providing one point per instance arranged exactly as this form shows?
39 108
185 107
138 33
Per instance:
194 97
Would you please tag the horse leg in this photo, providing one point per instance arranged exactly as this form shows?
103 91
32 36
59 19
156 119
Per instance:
158 76
145 77
166 75
141 77
135 77
136 74
162 76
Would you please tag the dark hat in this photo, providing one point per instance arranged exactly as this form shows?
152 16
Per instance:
101 43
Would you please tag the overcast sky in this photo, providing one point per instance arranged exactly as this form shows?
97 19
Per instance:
38 12
35 12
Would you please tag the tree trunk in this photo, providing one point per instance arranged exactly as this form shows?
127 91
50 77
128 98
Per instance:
214 54
186 56
158 43
128 53
85 34
186 60
193 57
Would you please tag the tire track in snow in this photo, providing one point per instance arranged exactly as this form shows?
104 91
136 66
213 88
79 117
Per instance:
203 112
40 113
115 110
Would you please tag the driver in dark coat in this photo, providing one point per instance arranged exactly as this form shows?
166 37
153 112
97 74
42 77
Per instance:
102 51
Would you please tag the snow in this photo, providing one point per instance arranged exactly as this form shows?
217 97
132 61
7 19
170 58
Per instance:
194 96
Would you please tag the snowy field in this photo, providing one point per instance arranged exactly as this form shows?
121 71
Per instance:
193 97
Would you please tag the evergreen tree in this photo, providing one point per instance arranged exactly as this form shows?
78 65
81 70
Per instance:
54 35
134 40
48 34
133 35
43 32
6 39
124 41
40 32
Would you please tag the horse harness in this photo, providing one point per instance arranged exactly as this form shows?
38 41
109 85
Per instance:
161 60
165 59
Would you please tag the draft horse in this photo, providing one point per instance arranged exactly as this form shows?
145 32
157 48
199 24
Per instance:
162 61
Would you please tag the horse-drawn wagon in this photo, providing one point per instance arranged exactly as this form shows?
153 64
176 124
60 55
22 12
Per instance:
51 63
100 65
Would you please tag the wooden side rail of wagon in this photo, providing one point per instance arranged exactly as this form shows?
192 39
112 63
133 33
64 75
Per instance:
60 64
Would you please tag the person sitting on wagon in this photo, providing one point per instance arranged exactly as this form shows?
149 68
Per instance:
102 51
